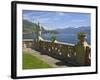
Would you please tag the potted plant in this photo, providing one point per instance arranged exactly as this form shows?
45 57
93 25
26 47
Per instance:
53 38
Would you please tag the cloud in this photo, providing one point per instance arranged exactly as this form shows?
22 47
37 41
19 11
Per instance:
78 20
53 20
43 20
60 13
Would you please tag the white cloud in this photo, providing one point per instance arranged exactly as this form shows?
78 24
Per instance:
78 20
43 19
61 13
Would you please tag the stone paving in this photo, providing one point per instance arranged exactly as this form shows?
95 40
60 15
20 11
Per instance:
49 60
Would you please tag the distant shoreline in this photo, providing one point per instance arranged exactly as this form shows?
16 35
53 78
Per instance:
68 38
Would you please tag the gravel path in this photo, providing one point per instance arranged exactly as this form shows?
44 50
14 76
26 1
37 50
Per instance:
49 60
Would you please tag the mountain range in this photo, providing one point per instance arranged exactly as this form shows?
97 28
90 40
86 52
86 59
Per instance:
30 27
73 30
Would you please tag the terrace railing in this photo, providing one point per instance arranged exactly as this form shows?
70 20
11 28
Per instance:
60 50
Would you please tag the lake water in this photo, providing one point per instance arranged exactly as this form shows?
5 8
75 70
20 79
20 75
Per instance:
68 38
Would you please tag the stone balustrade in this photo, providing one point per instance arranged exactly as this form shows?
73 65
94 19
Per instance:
60 50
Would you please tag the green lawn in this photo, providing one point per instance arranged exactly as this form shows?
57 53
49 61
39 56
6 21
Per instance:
32 62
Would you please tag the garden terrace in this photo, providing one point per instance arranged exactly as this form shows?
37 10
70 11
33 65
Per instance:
59 50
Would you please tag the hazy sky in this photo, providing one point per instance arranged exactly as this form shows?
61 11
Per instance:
54 20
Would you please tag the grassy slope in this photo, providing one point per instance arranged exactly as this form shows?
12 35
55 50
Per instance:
32 62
